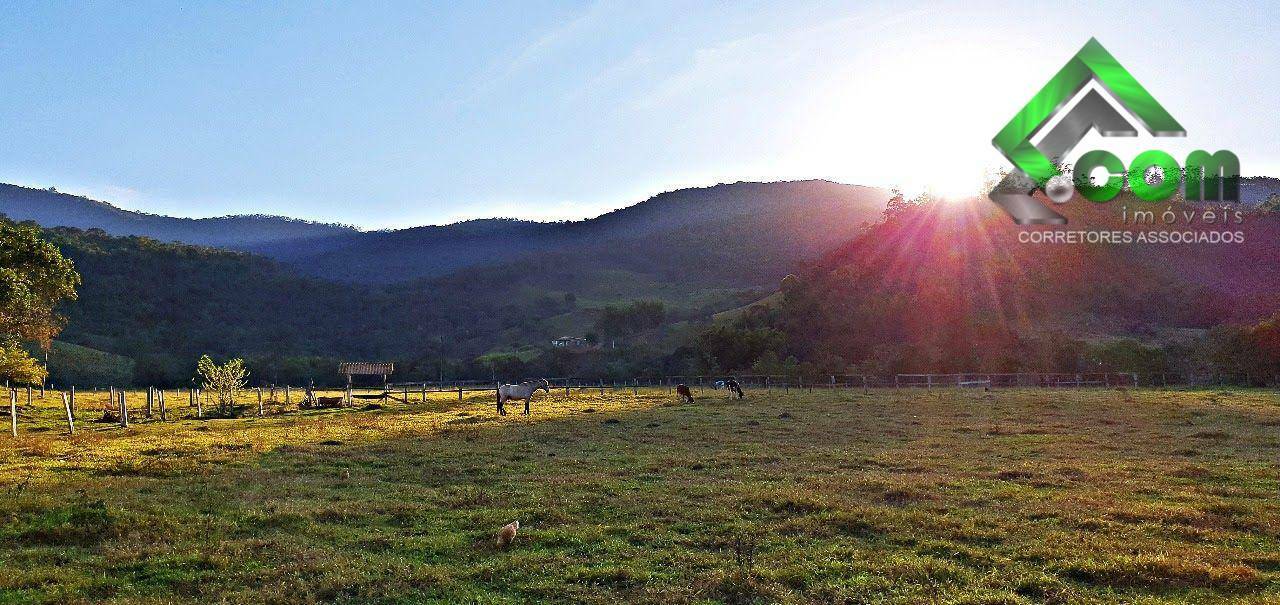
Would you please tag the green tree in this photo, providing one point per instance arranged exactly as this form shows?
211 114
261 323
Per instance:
625 320
16 365
730 348
223 380
34 278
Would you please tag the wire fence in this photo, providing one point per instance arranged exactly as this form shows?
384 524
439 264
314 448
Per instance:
867 381
116 405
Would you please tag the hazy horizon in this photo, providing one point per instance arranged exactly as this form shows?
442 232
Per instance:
389 117
452 221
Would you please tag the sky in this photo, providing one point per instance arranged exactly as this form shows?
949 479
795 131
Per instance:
387 115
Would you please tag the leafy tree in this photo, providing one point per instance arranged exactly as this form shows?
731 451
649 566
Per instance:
625 320
730 348
223 380
18 366
509 365
1130 356
1272 203
1249 352
34 278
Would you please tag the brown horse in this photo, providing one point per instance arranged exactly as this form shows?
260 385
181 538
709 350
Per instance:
683 391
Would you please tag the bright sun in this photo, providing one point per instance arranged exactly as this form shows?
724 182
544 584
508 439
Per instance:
919 117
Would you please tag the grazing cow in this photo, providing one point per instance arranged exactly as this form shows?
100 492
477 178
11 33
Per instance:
683 391
524 390
734 387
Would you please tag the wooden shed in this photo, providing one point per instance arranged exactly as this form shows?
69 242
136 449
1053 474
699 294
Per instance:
366 368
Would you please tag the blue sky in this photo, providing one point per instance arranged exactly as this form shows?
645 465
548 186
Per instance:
386 115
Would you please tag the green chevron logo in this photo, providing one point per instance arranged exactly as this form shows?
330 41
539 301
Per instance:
1039 165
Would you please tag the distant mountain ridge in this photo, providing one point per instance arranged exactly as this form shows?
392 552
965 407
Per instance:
316 247
55 209
759 229
749 232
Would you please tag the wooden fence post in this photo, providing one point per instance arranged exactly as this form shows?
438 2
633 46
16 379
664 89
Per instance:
72 400
602 387
259 403
424 392
199 404
13 412
459 392
288 394
42 389
151 395
124 410
164 413
71 421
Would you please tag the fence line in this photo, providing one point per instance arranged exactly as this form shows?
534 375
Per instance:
116 408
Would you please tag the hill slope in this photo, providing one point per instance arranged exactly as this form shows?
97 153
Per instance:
948 286
53 209
741 232
151 308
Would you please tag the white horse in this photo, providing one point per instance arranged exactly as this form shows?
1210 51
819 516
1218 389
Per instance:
524 390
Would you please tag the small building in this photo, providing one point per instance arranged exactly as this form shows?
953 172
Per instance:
364 368
569 342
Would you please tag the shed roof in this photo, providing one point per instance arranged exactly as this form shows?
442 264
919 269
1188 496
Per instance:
367 368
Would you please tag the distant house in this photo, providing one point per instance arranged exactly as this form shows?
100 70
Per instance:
569 342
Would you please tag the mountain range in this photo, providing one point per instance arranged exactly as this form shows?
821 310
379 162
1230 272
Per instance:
156 293
759 228
880 281
51 208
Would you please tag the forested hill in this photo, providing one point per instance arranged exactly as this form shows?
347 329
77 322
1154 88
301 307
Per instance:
54 209
148 309
161 305
947 286
751 230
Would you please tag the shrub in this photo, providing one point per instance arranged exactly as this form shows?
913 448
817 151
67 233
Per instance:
223 380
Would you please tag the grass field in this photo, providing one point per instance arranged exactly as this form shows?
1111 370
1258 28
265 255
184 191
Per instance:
825 497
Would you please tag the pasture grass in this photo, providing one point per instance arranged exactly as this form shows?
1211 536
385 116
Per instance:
1013 496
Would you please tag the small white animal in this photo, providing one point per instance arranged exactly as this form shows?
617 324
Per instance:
507 534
